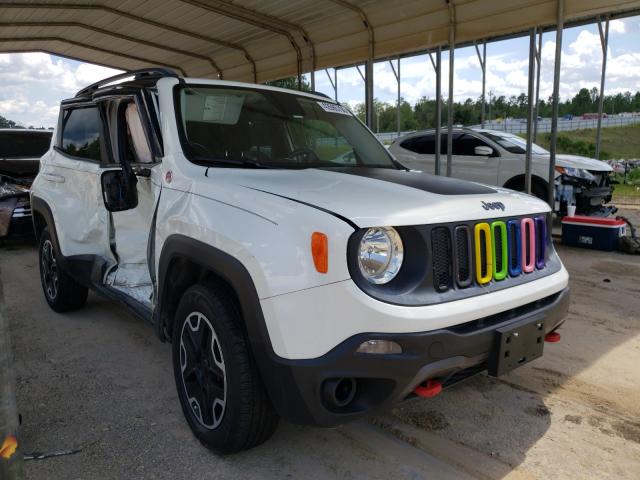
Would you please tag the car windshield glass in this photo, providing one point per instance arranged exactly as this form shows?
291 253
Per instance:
514 144
264 128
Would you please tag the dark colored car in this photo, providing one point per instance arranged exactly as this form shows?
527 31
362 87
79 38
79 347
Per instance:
20 152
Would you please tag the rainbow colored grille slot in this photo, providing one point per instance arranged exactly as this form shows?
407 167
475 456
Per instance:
500 249
484 266
515 242
528 236
541 241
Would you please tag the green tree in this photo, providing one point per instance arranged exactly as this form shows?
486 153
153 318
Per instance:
6 123
291 83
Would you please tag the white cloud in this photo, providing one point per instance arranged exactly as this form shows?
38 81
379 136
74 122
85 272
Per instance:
33 84
617 26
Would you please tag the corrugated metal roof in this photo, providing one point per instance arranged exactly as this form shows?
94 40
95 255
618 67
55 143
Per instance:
259 40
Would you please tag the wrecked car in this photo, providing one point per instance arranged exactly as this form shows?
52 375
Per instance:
498 158
20 152
292 279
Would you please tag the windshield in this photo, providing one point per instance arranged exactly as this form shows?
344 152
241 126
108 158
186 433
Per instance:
263 128
514 144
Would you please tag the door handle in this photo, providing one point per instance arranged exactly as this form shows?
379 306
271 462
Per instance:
52 177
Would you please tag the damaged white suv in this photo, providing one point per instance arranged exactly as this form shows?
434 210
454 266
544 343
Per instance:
296 268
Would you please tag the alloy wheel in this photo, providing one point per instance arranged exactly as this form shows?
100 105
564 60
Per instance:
49 270
204 377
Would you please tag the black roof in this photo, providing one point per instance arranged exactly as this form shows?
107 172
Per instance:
142 77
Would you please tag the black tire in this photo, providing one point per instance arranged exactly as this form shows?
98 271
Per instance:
224 373
62 292
538 189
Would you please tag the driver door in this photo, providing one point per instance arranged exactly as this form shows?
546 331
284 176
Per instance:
131 137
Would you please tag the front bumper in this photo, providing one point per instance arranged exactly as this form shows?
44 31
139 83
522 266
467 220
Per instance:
448 354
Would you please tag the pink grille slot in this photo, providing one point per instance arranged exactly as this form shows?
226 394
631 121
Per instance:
528 248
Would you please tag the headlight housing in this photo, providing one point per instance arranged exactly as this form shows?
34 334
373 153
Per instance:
576 173
380 254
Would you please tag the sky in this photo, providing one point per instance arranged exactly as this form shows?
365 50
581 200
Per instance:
32 84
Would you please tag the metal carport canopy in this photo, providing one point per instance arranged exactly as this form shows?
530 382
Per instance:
260 40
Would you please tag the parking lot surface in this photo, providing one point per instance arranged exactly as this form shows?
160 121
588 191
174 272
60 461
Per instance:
98 380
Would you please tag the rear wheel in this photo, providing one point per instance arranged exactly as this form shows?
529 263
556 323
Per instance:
220 389
61 291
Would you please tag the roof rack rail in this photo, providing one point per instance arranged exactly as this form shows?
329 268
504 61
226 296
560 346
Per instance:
320 94
143 73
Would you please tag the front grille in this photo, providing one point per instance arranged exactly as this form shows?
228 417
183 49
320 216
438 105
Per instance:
494 252
463 257
441 251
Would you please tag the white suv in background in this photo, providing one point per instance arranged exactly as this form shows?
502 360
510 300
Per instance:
292 279
498 158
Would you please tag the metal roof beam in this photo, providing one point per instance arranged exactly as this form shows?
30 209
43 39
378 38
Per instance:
249 14
265 22
90 47
116 35
368 81
136 18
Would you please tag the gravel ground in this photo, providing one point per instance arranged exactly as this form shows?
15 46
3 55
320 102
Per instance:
98 380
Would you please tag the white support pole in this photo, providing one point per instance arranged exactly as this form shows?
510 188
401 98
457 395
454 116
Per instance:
604 42
397 75
368 88
530 109
437 64
483 66
452 47
333 82
538 68
556 101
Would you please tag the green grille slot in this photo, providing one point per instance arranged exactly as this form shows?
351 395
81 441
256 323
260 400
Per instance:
500 250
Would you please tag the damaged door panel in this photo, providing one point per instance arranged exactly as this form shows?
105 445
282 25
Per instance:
72 177
130 137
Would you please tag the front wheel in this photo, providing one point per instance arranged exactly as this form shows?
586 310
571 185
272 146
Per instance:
62 292
220 389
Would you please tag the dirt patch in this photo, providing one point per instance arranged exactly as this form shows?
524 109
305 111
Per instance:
426 420
538 411
627 430
577 419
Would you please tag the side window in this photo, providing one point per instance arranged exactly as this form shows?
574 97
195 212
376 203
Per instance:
465 145
425 145
82 133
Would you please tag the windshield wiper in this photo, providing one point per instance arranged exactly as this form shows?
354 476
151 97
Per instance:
208 162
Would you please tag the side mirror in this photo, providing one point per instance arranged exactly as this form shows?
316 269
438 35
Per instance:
119 191
483 151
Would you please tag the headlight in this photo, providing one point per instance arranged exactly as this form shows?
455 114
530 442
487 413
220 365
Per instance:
576 173
380 254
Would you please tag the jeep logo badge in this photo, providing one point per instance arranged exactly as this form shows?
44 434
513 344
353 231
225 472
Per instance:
493 206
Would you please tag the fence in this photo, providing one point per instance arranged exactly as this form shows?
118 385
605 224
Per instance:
544 125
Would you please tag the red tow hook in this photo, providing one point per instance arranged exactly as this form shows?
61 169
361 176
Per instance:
428 389
552 337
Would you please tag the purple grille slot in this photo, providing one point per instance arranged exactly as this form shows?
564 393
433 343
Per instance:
541 241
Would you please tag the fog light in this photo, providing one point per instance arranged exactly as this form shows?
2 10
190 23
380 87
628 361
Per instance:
379 346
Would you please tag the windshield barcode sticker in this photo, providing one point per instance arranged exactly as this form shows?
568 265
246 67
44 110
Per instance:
334 108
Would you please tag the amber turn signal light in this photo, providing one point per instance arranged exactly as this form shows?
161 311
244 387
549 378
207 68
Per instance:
320 251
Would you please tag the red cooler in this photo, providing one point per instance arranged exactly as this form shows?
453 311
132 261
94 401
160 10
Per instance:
592 232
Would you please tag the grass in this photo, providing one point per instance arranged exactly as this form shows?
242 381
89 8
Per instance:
616 143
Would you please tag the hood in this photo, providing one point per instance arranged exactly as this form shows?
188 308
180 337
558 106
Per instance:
586 163
373 196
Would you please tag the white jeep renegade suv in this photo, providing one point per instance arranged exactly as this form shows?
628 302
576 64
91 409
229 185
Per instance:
297 270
